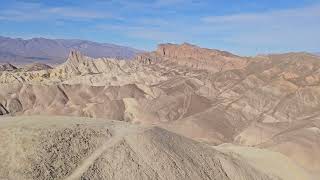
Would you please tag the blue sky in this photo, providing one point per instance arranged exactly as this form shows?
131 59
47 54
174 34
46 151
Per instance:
245 27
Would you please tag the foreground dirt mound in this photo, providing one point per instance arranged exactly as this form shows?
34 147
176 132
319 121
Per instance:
74 148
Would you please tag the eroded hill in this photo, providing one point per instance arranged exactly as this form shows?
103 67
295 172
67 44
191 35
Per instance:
84 148
270 102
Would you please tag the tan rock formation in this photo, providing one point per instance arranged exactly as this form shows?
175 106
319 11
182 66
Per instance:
258 101
7 67
36 67
196 57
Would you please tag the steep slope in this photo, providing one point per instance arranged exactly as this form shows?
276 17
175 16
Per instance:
79 148
195 57
7 67
54 51
75 100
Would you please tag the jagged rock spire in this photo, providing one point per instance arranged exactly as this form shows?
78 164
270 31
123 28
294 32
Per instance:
75 56
7 67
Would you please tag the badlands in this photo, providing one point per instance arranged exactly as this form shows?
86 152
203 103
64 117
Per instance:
180 112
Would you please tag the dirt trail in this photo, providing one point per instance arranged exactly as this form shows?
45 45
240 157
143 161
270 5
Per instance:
120 133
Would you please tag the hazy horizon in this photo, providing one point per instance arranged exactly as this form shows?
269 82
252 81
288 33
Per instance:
242 27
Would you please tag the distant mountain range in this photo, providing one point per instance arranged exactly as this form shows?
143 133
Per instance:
54 51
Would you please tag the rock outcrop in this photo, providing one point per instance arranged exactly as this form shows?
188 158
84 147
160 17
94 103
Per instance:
195 57
7 67
37 67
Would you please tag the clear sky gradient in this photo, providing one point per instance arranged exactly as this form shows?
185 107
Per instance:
245 27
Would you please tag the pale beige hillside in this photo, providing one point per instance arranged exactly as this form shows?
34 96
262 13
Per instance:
269 162
83 148
208 95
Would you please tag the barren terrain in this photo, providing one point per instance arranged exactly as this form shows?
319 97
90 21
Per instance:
266 108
